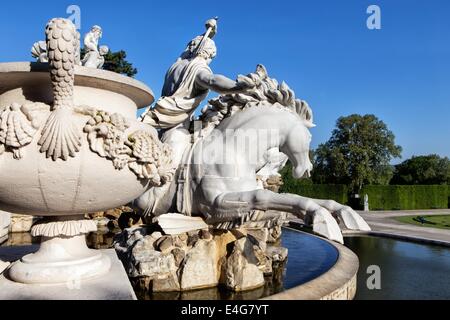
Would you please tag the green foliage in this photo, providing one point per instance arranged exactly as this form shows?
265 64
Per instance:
404 197
116 62
358 153
306 188
430 169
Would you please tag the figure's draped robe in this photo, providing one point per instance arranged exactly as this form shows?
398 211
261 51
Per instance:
173 109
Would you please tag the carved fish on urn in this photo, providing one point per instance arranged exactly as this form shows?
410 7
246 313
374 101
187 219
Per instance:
61 138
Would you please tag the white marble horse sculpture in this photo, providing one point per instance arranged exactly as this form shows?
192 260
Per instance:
218 177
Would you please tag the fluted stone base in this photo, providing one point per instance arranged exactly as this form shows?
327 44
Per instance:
63 256
114 285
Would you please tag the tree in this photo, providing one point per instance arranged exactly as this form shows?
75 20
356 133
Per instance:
116 62
431 169
359 152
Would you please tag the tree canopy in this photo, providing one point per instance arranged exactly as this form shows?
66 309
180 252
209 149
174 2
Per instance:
430 169
116 62
359 152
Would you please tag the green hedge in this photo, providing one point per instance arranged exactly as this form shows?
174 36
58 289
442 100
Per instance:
407 197
337 192
306 188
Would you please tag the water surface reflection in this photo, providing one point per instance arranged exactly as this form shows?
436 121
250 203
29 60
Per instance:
408 270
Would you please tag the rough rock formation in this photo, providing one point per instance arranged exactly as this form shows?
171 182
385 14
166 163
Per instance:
196 259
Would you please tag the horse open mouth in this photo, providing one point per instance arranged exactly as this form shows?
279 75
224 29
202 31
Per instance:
301 173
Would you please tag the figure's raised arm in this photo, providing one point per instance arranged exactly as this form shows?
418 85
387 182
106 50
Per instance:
219 83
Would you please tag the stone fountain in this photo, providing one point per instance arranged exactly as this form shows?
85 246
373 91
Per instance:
70 144
68 140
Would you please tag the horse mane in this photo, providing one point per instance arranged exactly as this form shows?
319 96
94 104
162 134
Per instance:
263 89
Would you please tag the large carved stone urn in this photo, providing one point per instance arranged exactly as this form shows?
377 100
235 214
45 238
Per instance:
70 144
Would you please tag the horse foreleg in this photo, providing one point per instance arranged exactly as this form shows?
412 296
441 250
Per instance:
234 204
347 215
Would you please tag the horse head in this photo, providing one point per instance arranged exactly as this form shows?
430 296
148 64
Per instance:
266 91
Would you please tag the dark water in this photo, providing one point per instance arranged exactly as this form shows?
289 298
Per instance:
408 270
308 257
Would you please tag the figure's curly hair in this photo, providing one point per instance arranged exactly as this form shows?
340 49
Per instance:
209 50
263 89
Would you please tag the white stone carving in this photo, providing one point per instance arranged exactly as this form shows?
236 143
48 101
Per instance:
106 136
150 159
39 51
173 223
144 154
94 56
96 145
63 255
69 228
18 125
95 59
76 175
61 138
221 195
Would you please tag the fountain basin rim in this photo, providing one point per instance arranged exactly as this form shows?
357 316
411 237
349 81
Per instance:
338 283
384 234
137 91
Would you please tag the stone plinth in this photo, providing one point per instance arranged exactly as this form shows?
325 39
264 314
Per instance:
112 286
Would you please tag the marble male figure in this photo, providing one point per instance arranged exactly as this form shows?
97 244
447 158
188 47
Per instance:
187 84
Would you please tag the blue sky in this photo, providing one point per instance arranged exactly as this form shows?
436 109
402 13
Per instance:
321 48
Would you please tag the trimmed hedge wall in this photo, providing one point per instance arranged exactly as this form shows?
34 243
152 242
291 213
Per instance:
401 197
337 192
407 197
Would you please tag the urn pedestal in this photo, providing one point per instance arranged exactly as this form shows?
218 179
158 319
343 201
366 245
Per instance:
63 256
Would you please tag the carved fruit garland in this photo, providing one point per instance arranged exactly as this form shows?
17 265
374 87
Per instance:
151 159
60 136
144 154
106 136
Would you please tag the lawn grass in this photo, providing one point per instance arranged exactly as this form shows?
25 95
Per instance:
441 222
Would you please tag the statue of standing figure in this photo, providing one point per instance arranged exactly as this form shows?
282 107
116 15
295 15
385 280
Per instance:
95 55
187 84
366 202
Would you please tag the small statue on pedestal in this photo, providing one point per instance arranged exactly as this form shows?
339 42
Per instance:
94 57
366 203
